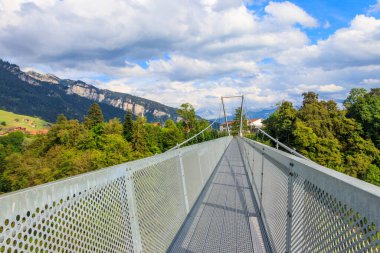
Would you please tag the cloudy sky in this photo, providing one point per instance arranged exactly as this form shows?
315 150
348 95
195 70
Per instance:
176 51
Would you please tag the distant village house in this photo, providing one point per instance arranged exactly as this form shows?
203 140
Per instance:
252 123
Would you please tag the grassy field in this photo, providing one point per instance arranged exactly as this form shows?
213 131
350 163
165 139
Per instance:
17 120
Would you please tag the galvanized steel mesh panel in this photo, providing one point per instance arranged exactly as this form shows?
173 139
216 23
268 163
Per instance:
205 163
309 208
321 223
160 204
257 171
253 161
192 171
93 220
133 207
274 204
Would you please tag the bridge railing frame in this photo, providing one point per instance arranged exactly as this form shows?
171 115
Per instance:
137 206
306 207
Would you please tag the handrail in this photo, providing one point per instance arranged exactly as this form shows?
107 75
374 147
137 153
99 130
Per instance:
306 207
186 141
137 206
292 151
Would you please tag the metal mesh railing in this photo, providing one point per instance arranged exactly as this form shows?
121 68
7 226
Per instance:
133 207
306 207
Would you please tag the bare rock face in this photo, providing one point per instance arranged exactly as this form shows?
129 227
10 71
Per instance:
28 79
44 78
138 106
14 69
117 100
86 92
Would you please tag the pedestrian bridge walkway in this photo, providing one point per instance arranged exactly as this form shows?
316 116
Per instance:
225 195
220 220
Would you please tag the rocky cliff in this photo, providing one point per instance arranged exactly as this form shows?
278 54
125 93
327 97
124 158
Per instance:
154 111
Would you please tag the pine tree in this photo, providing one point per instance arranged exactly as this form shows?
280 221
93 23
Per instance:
127 126
139 142
189 122
171 135
94 116
61 119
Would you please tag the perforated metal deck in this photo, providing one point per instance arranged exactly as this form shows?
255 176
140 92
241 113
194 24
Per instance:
220 220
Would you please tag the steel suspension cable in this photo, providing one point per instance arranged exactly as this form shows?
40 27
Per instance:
194 136
278 143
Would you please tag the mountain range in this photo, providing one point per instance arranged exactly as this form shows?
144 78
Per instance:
46 96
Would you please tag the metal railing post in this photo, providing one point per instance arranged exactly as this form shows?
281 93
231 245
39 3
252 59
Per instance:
135 227
289 210
183 181
241 117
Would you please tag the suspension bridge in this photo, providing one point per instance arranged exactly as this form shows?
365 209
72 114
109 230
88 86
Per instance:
230 194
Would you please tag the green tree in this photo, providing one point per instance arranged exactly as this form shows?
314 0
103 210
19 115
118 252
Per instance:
304 135
280 124
189 119
206 135
355 95
13 142
236 124
171 135
68 133
116 149
139 142
373 175
113 126
61 119
127 126
72 147
153 134
322 132
318 114
94 116
364 107
309 98
3 155
5 184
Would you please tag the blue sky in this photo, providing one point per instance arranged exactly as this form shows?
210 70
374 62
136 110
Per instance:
336 13
196 51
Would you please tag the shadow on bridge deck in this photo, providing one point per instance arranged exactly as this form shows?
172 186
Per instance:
225 217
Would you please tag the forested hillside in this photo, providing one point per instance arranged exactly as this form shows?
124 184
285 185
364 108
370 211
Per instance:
347 140
46 96
42 99
72 147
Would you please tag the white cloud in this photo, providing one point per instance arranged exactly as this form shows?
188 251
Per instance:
357 45
330 88
68 32
185 68
289 13
371 81
326 88
191 51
